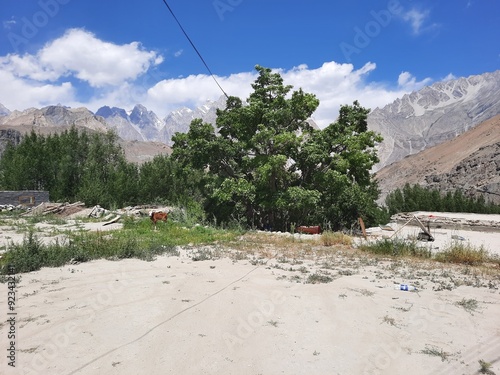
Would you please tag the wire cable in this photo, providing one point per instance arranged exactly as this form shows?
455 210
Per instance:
194 47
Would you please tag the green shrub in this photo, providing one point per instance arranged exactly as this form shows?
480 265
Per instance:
25 257
396 247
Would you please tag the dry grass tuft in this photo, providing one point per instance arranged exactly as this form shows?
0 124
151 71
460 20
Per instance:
463 253
329 238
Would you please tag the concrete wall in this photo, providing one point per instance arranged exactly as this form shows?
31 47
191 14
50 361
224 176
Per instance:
24 197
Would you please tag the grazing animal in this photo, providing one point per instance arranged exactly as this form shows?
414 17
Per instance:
158 216
315 229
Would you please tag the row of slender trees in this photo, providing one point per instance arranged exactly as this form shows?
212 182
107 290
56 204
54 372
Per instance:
80 166
417 198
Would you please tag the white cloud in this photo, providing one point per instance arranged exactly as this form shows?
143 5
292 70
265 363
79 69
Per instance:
44 78
16 93
27 66
81 54
449 77
408 82
9 24
333 84
196 89
95 61
416 18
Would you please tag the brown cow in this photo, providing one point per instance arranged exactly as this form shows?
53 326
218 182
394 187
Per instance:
158 216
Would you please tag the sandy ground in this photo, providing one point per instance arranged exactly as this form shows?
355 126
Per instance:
254 315
489 240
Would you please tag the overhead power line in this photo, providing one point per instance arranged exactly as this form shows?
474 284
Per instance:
194 47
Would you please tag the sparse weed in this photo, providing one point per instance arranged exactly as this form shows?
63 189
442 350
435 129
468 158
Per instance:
404 309
25 257
470 305
485 367
346 272
238 255
318 278
435 351
5 278
206 254
391 321
303 269
364 292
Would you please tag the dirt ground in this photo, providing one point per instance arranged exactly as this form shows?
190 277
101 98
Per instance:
252 311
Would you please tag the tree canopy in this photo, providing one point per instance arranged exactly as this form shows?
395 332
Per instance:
267 166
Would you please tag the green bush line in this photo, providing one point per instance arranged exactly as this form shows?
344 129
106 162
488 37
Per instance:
136 240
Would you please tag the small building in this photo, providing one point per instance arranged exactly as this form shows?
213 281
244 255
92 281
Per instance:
27 198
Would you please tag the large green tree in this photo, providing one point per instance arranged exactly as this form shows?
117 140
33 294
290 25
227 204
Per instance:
266 165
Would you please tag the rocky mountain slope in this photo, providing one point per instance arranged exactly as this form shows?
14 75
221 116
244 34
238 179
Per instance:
179 121
140 125
50 117
434 115
54 119
470 162
144 125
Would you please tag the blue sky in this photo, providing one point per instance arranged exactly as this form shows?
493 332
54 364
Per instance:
119 53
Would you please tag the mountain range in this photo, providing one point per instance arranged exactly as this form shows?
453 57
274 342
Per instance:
410 125
434 115
143 125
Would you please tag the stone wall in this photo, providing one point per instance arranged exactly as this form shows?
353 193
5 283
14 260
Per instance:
24 197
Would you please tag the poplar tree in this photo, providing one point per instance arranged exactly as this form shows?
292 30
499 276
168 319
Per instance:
267 166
